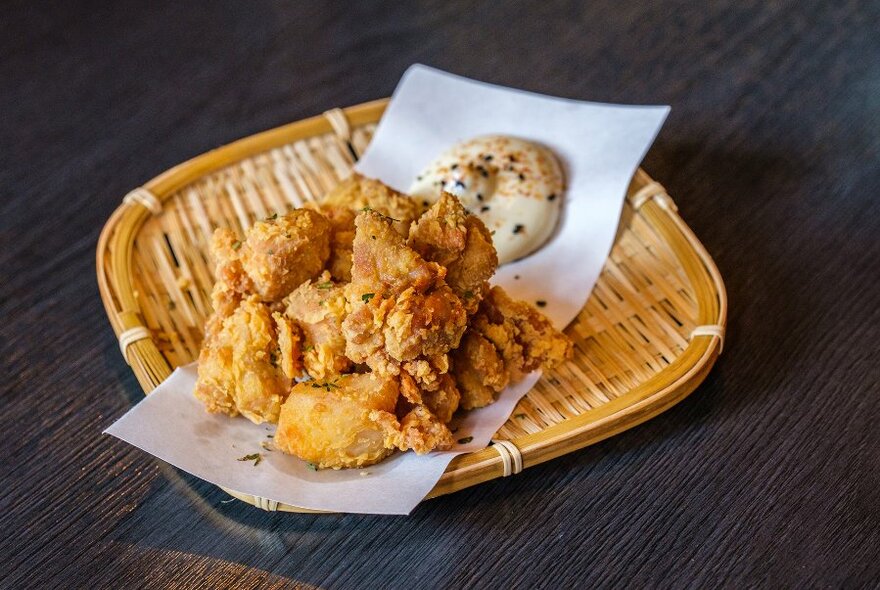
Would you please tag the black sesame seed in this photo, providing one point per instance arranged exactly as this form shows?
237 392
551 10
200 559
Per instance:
518 228
484 172
541 303
425 203
512 158
479 196
551 197
516 277
522 176
484 208
454 166
460 184
488 157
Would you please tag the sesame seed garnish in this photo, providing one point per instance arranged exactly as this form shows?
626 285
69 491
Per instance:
551 197
479 196
518 228
541 303
484 208
453 167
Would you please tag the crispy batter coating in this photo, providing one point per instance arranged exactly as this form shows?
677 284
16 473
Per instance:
410 302
338 423
505 333
341 237
280 254
402 313
419 430
238 370
318 308
448 235
359 192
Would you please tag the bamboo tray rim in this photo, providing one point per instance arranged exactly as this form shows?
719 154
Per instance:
653 396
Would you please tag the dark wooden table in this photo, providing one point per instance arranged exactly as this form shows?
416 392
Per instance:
767 475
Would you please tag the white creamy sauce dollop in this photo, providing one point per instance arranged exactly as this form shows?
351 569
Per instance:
514 186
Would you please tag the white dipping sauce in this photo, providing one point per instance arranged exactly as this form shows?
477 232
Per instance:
513 185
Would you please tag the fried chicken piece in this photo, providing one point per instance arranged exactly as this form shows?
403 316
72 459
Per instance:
238 370
506 339
231 280
401 312
419 430
448 235
341 237
318 309
479 371
279 254
358 192
339 423
444 401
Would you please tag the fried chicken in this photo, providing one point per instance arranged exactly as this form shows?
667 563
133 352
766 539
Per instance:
448 235
402 313
359 192
318 309
281 253
338 423
506 339
238 365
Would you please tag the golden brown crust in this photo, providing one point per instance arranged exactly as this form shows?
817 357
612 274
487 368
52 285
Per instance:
338 423
238 365
318 308
448 235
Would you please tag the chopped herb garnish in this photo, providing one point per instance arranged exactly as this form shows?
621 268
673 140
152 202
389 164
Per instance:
236 245
367 296
370 209
255 457
551 197
468 294
418 177
271 252
308 348
326 386
266 446
325 285
312 466
465 440
519 416
518 228
541 303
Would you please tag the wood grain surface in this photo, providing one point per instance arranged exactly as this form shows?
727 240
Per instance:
767 476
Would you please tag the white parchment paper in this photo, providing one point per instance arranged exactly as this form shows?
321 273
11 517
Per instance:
600 146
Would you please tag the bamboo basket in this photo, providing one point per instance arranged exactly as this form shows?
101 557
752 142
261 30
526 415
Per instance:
647 336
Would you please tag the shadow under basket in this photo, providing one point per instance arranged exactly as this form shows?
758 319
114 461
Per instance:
647 336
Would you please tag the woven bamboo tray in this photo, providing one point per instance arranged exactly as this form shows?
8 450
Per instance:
648 335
